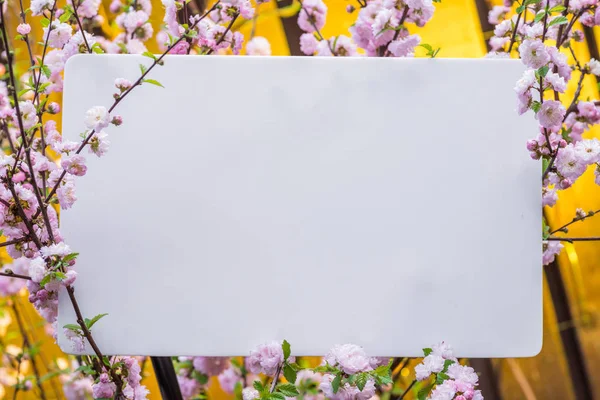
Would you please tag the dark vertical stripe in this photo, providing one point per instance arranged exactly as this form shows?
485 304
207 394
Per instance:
291 29
488 382
167 380
482 12
568 335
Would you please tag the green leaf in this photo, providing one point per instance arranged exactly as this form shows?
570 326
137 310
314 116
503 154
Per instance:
152 81
539 16
46 71
559 8
143 68
277 396
427 351
441 377
384 380
149 55
258 386
85 369
70 257
542 72
558 21
96 48
90 323
289 373
545 229
288 390
535 106
72 327
45 22
447 363
422 395
335 383
65 16
200 377
285 346
47 279
361 381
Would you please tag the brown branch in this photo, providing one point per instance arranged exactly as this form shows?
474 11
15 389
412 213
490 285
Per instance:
276 378
400 26
574 239
224 33
87 46
11 274
514 34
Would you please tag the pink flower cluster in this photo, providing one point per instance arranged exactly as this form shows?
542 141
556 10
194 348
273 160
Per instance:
350 359
462 379
130 372
265 359
380 28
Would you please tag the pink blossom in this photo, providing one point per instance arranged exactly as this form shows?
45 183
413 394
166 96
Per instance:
549 197
228 379
259 46
66 194
308 43
53 107
404 47
104 388
349 357
551 249
76 339
551 114
237 41
99 143
59 35
431 364
38 6
534 53
250 394
23 29
569 163
97 118
497 13
180 48
210 366
588 151
312 15
445 391
74 165
58 249
170 17
265 359
122 84
28 114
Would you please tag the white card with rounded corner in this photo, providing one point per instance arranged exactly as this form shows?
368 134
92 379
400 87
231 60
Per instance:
389 203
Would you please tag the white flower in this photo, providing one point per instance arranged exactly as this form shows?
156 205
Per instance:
37 269
258 46
59 249
59 35
97 118
463 373
250 394
37 6
594 66
588 150
28 113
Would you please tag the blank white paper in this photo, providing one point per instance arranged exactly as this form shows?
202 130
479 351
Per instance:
389 203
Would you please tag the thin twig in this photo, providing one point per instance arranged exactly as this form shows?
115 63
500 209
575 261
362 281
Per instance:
276 378
574 239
